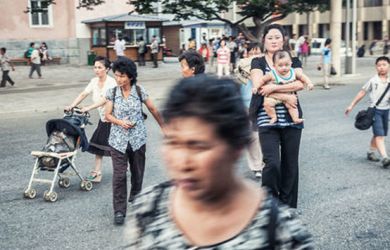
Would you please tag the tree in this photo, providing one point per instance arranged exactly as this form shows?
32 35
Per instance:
262 12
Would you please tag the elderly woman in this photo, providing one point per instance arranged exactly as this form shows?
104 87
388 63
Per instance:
206 205
97 87
128 133
280 140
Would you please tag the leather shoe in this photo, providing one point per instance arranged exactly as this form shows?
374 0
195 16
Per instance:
119 218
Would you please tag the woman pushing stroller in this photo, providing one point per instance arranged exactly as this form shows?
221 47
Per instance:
98 87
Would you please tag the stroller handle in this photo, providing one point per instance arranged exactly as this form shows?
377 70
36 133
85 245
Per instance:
76 111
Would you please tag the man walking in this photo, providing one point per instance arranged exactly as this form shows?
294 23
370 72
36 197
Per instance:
119 46
6 65
35 62
154 51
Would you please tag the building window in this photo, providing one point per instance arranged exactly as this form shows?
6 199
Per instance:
40 13
98 37
372 3
153 32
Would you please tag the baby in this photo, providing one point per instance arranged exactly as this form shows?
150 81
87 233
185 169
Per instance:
282 73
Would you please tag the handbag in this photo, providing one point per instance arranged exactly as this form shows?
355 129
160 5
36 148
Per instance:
333 70
365 118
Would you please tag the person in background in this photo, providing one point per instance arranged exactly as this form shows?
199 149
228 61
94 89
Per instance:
44 53
206 204
223 60
361 51
120 47
211 55
233 47
292 44
304 50
191 64
371 47
375 87
191 44
253 152
29 51
6 65
204 52
154 51
35 62
97 87
142 50
326 60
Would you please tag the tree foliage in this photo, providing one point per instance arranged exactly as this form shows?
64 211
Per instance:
262 12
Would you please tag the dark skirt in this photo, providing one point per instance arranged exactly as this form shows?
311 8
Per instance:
98 144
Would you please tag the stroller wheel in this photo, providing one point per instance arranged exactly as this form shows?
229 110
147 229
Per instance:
86 185
64 182
50 196
30 193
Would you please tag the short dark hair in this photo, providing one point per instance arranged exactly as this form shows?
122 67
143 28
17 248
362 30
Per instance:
126 66
382 58
3 49
328 41
215 101
32 44
104 61
280 54
194 60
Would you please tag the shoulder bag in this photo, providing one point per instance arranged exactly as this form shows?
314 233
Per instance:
365 118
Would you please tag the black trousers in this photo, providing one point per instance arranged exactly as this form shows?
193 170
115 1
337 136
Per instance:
6 79
154 58
35 67
136 160
280 147
141 59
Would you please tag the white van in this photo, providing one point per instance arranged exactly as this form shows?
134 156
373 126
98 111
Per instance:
317 44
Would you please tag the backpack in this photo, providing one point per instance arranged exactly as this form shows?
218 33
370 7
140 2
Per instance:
243 70
26 54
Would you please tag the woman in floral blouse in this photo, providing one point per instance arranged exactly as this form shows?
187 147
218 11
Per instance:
207 205
128 133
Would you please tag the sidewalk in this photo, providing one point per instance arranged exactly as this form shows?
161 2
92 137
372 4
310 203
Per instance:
62 83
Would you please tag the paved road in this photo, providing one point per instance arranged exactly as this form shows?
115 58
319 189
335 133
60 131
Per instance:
343 198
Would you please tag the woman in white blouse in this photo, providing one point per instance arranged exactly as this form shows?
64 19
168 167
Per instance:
98 87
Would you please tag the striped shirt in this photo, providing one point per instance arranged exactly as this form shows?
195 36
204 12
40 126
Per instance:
284 119
223 55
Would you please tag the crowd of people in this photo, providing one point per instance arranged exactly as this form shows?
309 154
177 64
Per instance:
207 123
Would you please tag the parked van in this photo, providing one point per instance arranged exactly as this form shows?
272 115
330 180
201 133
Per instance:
317 44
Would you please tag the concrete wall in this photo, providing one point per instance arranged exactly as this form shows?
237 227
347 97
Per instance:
15 24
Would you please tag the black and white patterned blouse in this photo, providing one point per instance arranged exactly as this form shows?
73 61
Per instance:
127 109
150 226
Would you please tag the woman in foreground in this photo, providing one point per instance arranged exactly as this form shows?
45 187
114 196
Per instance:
206 205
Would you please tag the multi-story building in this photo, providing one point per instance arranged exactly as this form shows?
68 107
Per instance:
59 25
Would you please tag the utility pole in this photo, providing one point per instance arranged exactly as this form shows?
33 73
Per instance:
335 32
354 34
348 58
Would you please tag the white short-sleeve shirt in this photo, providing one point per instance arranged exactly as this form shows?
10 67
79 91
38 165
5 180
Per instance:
375 87
97 92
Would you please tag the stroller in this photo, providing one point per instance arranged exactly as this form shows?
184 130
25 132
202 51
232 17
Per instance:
65 137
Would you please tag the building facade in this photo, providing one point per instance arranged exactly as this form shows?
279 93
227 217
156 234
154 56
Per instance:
59 25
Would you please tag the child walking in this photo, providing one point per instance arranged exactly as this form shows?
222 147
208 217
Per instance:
282 73
375 87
